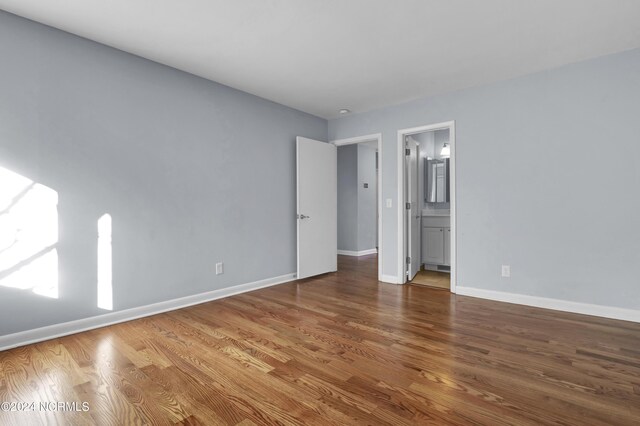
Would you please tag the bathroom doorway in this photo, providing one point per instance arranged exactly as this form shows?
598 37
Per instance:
427 215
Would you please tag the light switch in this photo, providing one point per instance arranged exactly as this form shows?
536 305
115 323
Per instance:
389 203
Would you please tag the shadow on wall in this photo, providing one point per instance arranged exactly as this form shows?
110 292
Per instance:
29 240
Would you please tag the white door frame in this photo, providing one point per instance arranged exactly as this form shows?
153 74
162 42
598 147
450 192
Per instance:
368 138
402 256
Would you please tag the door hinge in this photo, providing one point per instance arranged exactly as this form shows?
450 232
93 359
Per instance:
408 206
407 152
408 260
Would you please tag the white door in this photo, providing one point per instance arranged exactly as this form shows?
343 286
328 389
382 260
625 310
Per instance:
317 207
413 211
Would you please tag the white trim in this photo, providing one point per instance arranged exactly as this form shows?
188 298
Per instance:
451 125
22 338
368 138
297 207
358 139
357 253
389 279
611 312
401 275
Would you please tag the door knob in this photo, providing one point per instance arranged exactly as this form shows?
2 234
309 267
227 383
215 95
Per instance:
303 216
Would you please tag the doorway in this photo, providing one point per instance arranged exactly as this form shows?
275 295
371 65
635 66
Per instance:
359 197
427 206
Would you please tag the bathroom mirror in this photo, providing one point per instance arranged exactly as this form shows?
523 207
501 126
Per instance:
436 180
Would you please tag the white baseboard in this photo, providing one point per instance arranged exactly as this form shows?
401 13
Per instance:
357 253
555 304
390 279
22 338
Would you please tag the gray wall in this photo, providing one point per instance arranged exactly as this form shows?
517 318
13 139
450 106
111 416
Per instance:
527 156
191 171
348 197
367 227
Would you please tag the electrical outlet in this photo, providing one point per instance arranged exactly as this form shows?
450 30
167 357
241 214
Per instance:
219 268
506 271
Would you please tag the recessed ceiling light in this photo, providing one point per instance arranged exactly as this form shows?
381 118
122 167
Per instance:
344 111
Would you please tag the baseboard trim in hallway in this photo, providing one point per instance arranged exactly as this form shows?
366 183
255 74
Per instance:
27 337
610 312
357 253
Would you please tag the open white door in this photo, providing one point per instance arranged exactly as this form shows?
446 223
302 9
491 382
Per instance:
413 211
317 208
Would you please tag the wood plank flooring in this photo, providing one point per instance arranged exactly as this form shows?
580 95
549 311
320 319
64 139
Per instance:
337 349
433 279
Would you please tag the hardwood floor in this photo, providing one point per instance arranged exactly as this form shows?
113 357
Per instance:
337 349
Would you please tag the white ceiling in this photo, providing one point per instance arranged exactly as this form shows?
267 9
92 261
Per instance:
322 55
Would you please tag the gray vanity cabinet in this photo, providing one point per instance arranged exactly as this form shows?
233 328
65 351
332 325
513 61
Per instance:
436 241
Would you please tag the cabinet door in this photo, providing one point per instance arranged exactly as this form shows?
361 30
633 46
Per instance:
434 238
447 246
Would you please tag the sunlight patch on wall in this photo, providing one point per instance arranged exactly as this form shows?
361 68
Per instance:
105 285
28 235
